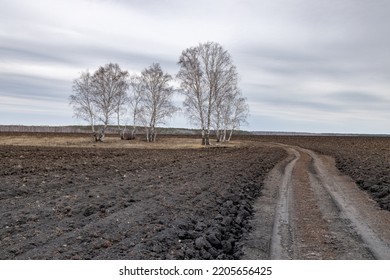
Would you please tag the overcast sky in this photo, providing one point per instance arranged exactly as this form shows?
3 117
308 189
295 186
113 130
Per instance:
304 65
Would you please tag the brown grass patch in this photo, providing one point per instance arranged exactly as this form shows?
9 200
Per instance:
109 142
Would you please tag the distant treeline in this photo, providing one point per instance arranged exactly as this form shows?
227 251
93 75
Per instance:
83 129
87 129
40 129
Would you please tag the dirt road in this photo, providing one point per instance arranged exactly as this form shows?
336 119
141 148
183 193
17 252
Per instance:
308 210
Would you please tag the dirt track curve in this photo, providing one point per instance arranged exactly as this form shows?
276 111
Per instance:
319 214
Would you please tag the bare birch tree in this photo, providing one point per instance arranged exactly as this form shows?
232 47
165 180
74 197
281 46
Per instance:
99 97
120 112
109 85
82 99
191 75
223 103
207 74
239 115
234 112
156 99
134 103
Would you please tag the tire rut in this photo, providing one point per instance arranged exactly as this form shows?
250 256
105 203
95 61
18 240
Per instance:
309 211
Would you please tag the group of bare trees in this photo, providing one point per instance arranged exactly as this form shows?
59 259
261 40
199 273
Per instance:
98 97
104 95
212 97
208 79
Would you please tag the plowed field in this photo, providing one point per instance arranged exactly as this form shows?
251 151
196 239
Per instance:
93 203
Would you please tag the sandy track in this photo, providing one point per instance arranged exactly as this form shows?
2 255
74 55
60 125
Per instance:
308 210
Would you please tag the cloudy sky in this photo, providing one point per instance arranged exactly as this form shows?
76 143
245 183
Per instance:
304 65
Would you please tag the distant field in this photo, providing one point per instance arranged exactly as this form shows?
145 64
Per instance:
110 141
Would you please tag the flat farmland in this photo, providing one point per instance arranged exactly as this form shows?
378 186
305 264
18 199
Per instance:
66 197
142 203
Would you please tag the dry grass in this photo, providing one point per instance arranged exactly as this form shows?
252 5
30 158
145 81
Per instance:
109 142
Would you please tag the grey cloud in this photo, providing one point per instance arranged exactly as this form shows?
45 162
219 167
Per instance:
358 97
137 61
80 56
341 65
90 54
287 62
278 96
295 102
33 87
367 101
26 53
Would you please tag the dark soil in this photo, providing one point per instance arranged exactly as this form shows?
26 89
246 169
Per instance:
73 203
367 161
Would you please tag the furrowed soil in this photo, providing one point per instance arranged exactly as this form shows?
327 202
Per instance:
94 203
